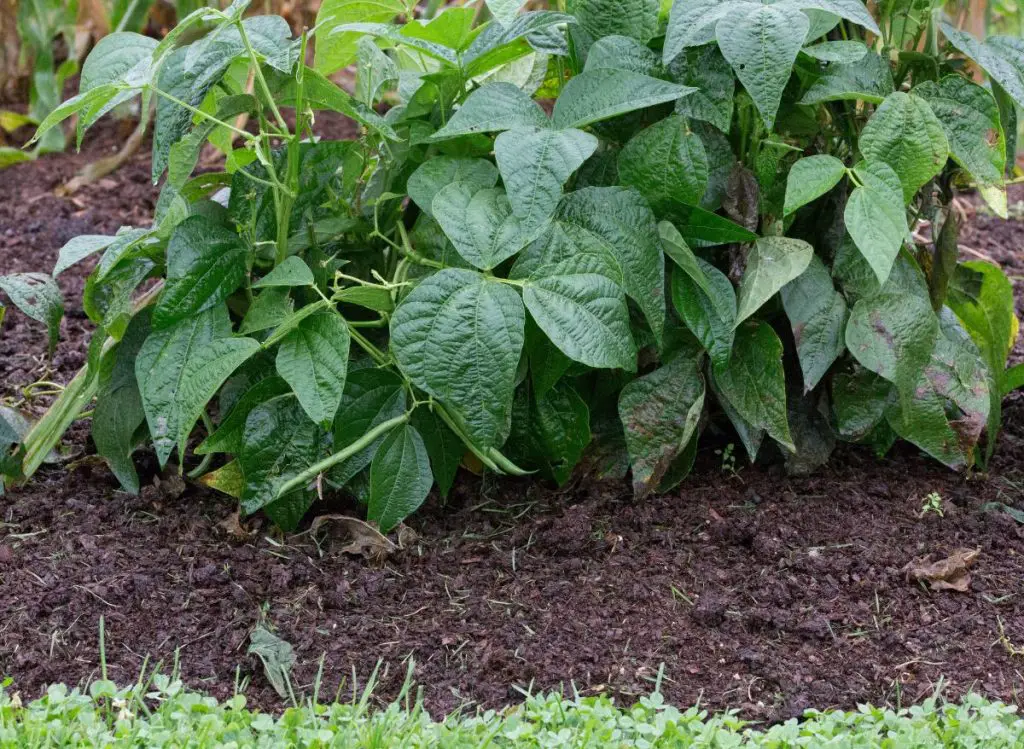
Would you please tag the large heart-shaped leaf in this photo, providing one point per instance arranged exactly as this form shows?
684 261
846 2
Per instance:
970 118
623 220
893 334
666 162
435 174
459 337
205 264
480 223
583 312
761 44
905 134
535 164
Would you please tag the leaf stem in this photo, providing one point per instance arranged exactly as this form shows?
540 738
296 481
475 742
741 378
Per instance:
329 462
175 100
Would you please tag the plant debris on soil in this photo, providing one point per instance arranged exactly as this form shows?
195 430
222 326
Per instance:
755 590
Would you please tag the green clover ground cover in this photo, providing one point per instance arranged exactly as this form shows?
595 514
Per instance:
162 713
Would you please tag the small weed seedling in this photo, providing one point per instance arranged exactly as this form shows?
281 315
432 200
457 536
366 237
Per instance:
932 503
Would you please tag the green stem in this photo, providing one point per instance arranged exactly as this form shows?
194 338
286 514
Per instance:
407 250
258 71
329 462
375 353
201 113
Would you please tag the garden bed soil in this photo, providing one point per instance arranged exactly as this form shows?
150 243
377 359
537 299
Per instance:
752 589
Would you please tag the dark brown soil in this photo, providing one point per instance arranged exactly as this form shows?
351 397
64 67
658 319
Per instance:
756 591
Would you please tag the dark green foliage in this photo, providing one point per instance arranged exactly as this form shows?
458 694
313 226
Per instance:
711 226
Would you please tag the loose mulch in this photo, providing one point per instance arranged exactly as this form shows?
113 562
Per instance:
752 589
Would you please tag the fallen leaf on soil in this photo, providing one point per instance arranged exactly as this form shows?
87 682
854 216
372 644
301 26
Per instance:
277 657
232 524
946 574
366 541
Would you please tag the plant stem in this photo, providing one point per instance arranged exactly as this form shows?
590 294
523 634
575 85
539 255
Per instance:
406 249
375 353
329 462
259 75
944 255
201 113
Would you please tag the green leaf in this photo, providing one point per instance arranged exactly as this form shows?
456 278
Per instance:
279 442
817 314
480 223
596 95
459 337
39 297
666 161
376 73
452 28
313 359
705 69
981 296
205 264
400 478
772 263
844 53
504 10
372 396
78 249
868 79
337 50
377 298
321 93
673 244
702 228
437 173
621 53
582 312
228 437
493 108
905 134
851 10
859 400
660 412
293 271
268 310
991 58
810 178
160 367
875 217
119 413
190 72
552 431
637 19
444 448
761 45
893 334
535 164
710 315
623 220
109 302
970 118
691 23
498 45
1013 379
205 370
754 382
547 362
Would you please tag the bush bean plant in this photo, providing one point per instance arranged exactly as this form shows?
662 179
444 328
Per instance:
565 239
